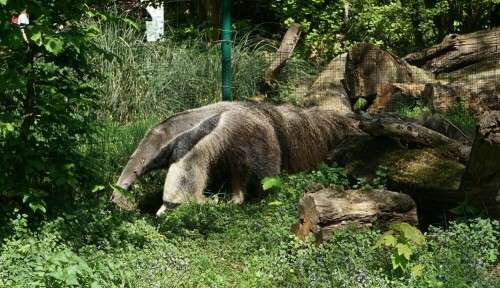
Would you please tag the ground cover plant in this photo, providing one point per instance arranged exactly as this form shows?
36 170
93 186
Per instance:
91 243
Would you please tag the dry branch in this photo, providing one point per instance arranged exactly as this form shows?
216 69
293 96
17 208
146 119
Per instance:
284 52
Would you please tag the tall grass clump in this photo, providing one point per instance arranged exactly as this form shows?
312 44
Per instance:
158 79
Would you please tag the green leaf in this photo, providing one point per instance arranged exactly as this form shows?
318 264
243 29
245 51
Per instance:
53 45
405 250
98 188
36 37
270 182
386 239
122 192
417 270
409 232
72 280
36 205
399 261
3 2
275 203
73 269
131 23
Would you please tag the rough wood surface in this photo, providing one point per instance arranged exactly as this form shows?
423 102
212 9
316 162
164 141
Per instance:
458 51
321 211
327 91
415 134
481 181
391 94
368 65
284 52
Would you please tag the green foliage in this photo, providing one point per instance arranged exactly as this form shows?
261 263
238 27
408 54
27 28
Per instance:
401 237
332 27
270 182
459 114
325 175
92 244
378 182
464 211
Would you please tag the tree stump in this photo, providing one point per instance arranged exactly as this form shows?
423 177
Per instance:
481 181
322 211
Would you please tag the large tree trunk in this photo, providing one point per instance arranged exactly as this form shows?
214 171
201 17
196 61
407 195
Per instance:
322 211
457 51
481 181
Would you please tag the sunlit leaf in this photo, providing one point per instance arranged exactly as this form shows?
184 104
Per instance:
386 239
409 232
270 182
404 249
417 270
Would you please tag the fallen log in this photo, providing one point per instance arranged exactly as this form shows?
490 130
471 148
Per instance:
415 134
481 181
457 51
321 211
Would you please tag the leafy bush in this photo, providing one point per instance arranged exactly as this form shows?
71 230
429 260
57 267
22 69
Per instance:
47 107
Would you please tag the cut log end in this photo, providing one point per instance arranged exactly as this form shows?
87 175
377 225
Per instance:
322 211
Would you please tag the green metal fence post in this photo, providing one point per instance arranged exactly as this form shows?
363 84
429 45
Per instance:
226 49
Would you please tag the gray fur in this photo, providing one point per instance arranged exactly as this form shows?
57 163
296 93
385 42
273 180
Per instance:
244 142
